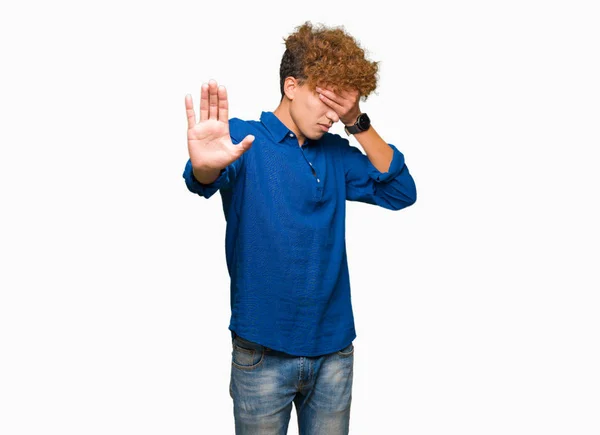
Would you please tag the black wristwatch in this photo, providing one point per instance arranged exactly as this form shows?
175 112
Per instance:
362 123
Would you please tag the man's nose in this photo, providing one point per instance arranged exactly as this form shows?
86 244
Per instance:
333 116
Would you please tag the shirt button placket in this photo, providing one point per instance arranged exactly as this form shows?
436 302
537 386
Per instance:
314 171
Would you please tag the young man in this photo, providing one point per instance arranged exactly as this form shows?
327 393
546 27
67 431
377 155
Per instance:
284 181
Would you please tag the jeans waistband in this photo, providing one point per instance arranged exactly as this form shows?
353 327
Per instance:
249 344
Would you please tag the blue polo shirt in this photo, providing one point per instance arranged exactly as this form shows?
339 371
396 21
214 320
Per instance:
285 209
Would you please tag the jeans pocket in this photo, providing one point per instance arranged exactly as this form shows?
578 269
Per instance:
246 355
347 351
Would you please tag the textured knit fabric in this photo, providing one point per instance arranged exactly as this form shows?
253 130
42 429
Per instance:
285 207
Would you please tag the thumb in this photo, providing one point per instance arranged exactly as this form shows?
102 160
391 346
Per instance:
245 144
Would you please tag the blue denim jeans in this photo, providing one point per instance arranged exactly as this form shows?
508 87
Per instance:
265 383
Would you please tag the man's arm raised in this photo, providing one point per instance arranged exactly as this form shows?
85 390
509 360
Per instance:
210 146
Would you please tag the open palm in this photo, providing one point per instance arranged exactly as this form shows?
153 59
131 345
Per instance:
209 141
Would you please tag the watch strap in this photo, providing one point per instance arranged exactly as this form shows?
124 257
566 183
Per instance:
355 128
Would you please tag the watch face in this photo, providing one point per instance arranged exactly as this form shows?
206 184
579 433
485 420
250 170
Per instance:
363 121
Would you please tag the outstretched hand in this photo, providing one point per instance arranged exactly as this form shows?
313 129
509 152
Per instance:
209 142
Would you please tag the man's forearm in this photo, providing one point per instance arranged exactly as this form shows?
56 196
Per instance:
380 154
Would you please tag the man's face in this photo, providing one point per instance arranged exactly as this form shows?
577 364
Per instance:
310 113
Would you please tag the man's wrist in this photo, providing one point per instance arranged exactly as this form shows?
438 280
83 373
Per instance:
352 121
206 175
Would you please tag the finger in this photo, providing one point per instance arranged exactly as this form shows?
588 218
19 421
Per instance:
189 109
204 102
244 145
350 95
335 106
213 100
331 95
223 104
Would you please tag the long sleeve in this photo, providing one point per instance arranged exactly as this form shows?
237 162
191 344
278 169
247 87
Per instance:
225 180
394 189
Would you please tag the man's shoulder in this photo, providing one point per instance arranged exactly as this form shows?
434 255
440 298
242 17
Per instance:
240 128
334 140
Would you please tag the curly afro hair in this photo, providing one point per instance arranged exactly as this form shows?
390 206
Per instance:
330 57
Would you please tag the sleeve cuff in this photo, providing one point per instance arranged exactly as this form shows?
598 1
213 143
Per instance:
203 189
394 169
222 178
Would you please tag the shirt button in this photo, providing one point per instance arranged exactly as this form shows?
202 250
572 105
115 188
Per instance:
291 134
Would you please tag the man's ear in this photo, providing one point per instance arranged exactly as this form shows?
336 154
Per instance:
290 85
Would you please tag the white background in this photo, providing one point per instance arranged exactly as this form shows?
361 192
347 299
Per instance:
476 308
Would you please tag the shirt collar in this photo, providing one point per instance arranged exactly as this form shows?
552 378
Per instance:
279 132
277 128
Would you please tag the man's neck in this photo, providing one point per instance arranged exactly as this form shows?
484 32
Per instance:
283 114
